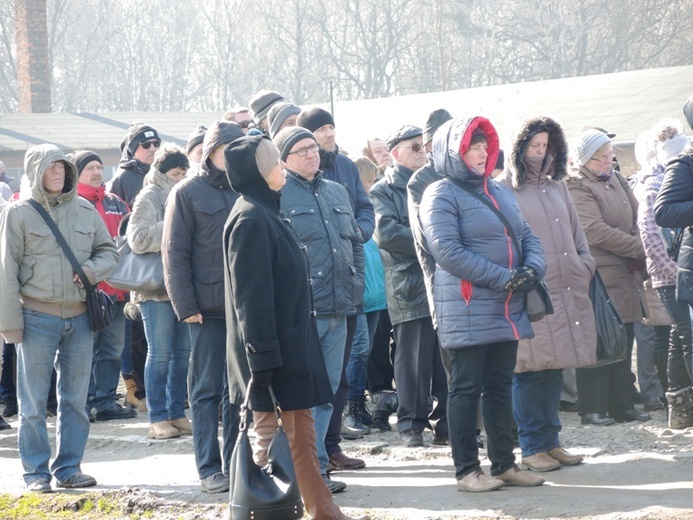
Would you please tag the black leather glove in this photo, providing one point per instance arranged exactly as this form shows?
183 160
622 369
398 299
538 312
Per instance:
523 279
262 378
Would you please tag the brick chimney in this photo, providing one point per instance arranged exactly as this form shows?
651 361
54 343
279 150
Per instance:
33 67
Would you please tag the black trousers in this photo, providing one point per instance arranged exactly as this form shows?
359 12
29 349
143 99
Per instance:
419 374
381 373
607 389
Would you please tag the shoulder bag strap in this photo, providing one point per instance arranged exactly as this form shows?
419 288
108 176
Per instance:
503 219
63 243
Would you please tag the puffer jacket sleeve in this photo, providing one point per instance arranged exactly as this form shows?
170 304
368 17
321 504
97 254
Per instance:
176 254
439 218
250 280
674 205
390 233
145 230
598 232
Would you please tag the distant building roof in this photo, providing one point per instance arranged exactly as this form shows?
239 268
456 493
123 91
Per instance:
625 103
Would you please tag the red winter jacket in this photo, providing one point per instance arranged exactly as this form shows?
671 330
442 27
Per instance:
112 210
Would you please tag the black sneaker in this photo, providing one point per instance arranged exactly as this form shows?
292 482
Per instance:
10 407
117 412
4 425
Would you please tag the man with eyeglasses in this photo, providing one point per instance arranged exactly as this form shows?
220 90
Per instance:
242 117
418 369
320 212
139 146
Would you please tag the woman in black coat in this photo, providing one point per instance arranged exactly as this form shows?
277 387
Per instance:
271 329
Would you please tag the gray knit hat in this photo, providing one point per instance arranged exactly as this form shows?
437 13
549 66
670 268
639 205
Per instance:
288 137
278 114
266 157
586 144
262 101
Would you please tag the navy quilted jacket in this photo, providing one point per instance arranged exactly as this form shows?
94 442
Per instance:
474 255
320 212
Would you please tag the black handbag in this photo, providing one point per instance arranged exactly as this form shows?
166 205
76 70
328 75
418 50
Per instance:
269 493
612 340
537 300
137 272
98 302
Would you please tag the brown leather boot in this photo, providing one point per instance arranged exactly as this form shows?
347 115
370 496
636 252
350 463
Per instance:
130 400
163 430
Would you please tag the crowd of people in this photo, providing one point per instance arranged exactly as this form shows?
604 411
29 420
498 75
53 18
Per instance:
354 287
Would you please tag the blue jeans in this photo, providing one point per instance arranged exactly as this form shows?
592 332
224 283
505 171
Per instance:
209 388
536 398
486 371
358 360
332 333
66 344
166 368
105 371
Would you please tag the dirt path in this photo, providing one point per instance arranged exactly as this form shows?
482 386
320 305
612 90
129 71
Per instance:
631 471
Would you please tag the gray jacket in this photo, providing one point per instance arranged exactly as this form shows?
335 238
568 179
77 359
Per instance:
320 212
33 266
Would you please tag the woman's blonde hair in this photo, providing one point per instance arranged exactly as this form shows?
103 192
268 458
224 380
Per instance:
368 170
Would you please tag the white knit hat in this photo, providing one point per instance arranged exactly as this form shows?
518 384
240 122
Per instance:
586 144
670 148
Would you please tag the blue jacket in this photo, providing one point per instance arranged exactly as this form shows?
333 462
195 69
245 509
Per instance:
473 253
374 298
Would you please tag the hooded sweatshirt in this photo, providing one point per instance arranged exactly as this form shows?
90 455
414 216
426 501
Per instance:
33 266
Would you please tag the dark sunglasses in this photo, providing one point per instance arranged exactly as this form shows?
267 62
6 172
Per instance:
416 147
246 123
147 144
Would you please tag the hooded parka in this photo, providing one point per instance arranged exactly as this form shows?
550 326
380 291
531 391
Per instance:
473 252
566 338
33 266
269 312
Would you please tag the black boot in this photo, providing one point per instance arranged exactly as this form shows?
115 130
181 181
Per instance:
361 412
386 404
351 419
10 407
680 408
4 425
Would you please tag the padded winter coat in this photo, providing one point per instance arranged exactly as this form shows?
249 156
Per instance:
320 212
474 255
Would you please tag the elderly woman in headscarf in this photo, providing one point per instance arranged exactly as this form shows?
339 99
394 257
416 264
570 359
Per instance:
608 212
672 349
566 338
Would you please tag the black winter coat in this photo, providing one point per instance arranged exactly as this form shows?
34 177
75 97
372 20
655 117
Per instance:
404 280
128 181
342 170
674 209
192 249
270 325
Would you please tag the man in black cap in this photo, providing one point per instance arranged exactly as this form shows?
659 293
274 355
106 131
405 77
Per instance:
193 149
418 369
139 146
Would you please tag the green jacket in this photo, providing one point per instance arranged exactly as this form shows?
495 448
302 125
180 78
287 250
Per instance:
34 272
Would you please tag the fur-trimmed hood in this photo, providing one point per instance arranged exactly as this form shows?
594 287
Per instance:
557 148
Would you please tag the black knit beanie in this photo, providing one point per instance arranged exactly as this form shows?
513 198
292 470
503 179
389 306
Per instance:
196 137
138 133
314 118
83 157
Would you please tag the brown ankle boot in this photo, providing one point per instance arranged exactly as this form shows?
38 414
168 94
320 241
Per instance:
130 400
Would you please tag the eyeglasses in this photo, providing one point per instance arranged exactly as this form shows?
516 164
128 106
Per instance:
147 144
56 164
606 158
416 147
302 152
246 123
